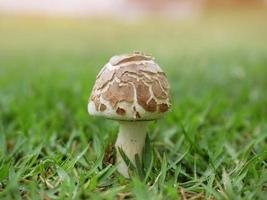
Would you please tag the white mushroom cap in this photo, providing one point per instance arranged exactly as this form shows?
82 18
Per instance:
130 87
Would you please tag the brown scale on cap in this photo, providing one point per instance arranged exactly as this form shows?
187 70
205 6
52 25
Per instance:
127 77
152 105
103 107
120 111
116 93
143 95
163 107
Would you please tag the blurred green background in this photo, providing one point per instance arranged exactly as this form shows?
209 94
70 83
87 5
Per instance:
216 65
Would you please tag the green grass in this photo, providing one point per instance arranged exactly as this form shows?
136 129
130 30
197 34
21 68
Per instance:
212 145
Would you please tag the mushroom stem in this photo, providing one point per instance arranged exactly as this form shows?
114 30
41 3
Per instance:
131 140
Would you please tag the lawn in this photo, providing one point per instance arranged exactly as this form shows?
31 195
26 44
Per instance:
212 145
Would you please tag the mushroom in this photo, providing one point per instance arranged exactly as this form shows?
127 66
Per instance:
133 90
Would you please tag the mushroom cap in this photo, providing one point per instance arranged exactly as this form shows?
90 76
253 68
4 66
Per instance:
130 87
